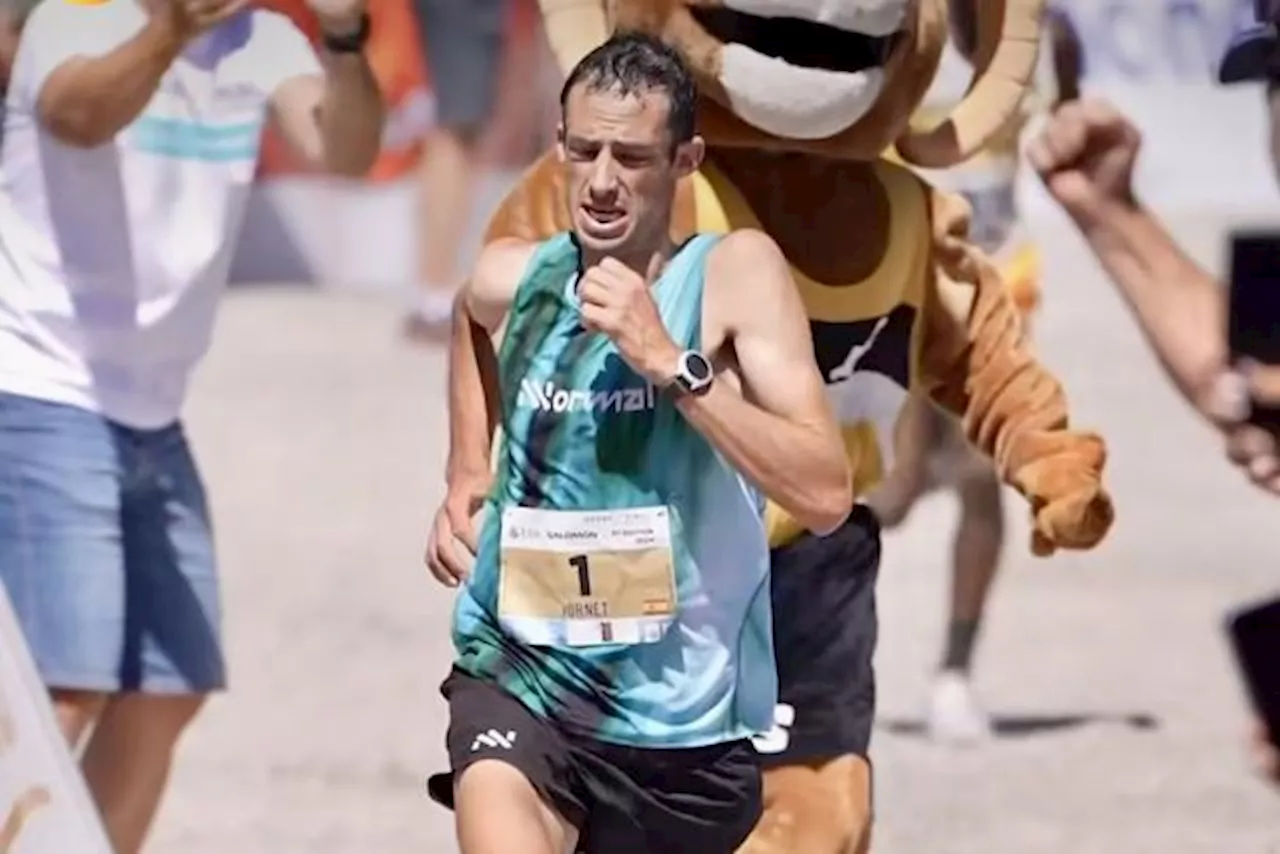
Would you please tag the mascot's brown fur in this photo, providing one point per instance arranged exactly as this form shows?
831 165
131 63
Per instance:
799 100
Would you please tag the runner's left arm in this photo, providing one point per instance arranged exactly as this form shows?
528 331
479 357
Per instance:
779 430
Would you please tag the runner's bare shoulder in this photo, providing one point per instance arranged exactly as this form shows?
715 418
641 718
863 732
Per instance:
746 262
533 211
748 283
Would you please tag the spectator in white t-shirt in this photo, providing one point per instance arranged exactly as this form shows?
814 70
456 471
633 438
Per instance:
131 140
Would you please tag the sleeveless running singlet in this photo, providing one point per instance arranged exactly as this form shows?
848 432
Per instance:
621 583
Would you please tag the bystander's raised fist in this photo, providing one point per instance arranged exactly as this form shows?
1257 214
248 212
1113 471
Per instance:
1085 155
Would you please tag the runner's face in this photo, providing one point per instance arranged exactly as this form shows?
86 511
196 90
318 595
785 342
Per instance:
622 169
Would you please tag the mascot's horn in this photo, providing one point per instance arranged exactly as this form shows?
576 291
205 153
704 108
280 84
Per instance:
574 28
1006 63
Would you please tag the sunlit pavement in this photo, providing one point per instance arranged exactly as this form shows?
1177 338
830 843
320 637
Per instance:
322 439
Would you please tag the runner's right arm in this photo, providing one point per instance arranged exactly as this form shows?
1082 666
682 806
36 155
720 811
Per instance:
473 403
478 312
532 212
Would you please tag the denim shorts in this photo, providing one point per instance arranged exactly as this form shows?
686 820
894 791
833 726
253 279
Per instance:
106 552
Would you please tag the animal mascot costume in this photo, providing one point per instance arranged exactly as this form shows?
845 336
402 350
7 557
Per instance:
799 100
932 452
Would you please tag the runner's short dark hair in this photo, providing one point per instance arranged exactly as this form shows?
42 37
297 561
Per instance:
631 63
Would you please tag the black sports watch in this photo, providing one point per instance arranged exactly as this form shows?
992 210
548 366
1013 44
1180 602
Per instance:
348 42
694 374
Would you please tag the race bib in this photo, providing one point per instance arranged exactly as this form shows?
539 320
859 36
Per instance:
586 578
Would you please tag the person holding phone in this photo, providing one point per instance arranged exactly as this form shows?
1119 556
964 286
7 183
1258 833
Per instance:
1220 353
1085 154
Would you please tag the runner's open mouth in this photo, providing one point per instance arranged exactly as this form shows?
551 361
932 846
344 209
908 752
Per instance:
604 215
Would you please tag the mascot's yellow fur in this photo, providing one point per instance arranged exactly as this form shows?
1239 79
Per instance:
799 100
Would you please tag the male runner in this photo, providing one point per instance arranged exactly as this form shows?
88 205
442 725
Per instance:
614 648
932 450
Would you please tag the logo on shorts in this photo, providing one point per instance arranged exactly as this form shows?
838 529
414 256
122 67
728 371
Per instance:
778 737
547 397
494 739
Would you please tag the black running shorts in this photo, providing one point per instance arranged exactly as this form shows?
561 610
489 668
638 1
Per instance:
824 635
621 799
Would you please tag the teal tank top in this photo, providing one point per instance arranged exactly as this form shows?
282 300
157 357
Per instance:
678 650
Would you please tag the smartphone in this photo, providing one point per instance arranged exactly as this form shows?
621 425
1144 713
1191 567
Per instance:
1253 316
1255 638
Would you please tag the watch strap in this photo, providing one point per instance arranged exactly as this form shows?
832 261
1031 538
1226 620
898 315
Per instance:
684 382
352 42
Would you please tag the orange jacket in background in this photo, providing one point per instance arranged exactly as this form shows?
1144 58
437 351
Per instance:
398 63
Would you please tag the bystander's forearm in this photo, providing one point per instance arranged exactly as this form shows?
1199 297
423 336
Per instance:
1178 304
88 100
351 115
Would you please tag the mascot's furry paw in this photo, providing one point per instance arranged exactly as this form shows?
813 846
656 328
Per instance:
1063 480
1077 521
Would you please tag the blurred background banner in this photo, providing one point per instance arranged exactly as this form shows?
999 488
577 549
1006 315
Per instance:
1204 155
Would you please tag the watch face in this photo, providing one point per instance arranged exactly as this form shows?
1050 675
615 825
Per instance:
698 367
